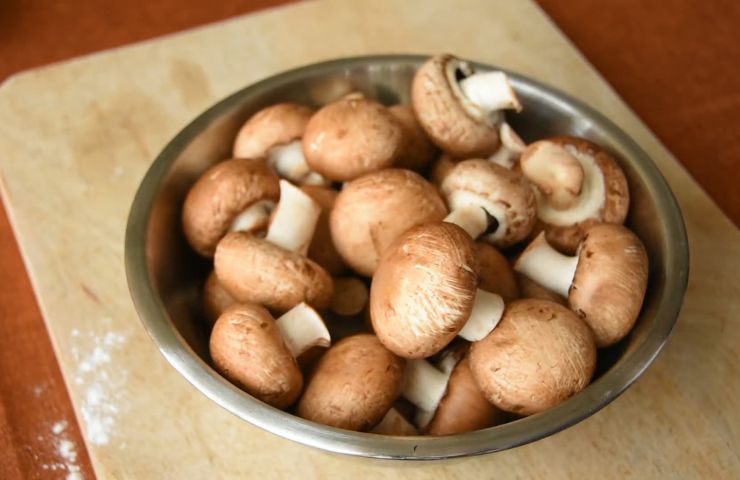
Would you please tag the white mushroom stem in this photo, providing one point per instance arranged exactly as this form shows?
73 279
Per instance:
556 172
254 217
471 218
490 91
289 162
294 220
487 311
423 417
546 266
303 328
511 147
425 385
350 296
393 423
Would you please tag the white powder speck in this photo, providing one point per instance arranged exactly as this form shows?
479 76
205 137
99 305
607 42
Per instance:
39 437
117 171
68 451
75 332
59 427
39 390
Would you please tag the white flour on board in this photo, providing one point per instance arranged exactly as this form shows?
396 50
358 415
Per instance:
66 451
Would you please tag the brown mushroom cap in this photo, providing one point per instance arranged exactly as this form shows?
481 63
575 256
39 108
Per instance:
224 191
610 281
464 408
374 210
349 138
322 249
254 270
442 111
247 349
616 204
354 384
215 299
508 191
417 151
270 127
539 355
494 272
441 168
423 291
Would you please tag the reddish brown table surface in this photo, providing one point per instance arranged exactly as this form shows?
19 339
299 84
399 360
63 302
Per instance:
677 67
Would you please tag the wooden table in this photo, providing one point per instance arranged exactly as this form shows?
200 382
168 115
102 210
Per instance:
695 111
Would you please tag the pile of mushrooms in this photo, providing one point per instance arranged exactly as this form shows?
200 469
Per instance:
413 269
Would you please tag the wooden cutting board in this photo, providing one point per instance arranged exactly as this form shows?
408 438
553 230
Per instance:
76 139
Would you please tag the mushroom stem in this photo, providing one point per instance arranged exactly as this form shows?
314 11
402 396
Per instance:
546 266
475 214
425 385
471 218
289 162
295 219
490 91
423 417
350 296
394 423
254 217
487 311
511 147
303 328
558 174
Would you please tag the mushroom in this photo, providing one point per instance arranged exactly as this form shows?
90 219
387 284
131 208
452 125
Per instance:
578 184
441 168
489 200
540 354
373 210
322 249
461 109
417 151
274 133
351 137
494 272
531 289
233 195
258 354
605 283
512 147
393 423
350 296
354 384
424 293
215 299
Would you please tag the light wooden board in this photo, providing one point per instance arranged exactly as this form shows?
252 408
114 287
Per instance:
76 139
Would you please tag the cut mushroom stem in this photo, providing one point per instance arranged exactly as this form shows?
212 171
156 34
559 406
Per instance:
295 219
487 311
350 296
255 217
490 91
425 385
289 162
556 172
394 423
511 147
546 266
302 328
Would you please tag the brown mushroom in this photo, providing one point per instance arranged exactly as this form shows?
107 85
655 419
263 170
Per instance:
233 195
578 184
275 133
349 138
540 354
424 293
460 110
495 275
354 384
605 283
215 299
417 151
350 296
531 289
372 211
322 249
441 168
258 354
491 201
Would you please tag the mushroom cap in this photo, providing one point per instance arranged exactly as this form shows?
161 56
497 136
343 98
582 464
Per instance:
373 210
616 204
354 384
610 281
417 151
352 137
441 168
254 270
531 289
247 349
224 191
539 355
444 113
423 291
322 249
508 192
215 299
464 408
270 127
495 275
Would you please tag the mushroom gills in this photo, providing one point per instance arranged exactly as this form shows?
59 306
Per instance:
511 147
547 266
476 215
289 162
488 308
295 219
253 218
425 385
302 328
490 91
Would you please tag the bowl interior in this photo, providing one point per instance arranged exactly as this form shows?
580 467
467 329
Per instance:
165 276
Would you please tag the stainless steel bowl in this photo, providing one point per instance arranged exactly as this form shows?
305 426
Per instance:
164 276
